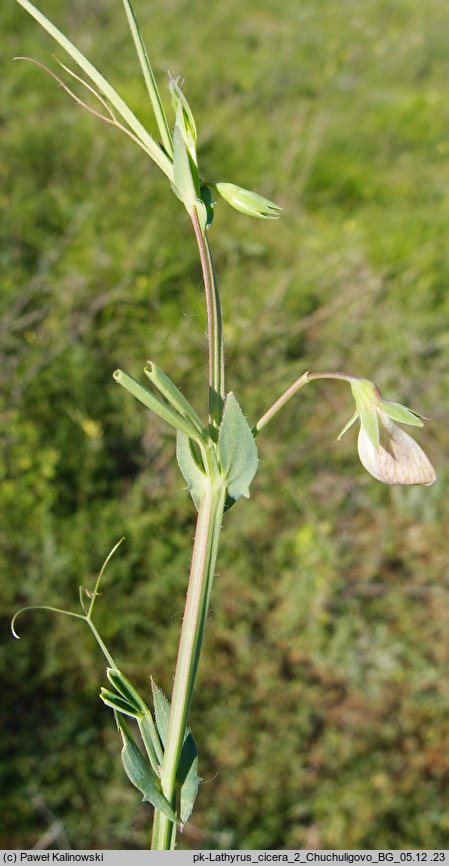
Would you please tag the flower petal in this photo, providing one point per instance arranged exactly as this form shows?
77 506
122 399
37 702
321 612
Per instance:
398 460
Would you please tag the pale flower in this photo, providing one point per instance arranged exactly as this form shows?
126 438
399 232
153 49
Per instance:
385 450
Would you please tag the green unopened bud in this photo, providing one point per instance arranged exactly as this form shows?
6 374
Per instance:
247 202
185 120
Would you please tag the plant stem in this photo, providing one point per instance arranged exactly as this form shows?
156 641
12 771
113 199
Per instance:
214 329
204 557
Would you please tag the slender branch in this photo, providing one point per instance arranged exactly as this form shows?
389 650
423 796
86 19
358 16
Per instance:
101 644
214 328
292 390
204 557
283 399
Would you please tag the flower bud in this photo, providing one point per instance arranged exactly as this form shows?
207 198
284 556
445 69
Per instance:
247 202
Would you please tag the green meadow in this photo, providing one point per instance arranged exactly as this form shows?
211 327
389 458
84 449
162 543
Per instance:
322 705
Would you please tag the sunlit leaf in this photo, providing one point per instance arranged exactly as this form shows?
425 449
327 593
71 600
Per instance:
238 452
140 775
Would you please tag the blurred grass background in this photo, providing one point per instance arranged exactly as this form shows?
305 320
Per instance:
322 705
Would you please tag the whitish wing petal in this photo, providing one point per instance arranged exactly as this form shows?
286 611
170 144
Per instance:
398 460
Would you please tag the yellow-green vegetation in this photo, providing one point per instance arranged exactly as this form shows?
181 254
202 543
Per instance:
322 706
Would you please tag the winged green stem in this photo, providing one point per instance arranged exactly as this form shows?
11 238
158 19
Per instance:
204 557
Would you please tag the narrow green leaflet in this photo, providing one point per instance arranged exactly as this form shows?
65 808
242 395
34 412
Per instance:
126 689
187 778
238 452
155 404
140 775
149 78
117 703
195 479
173 395
129 702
